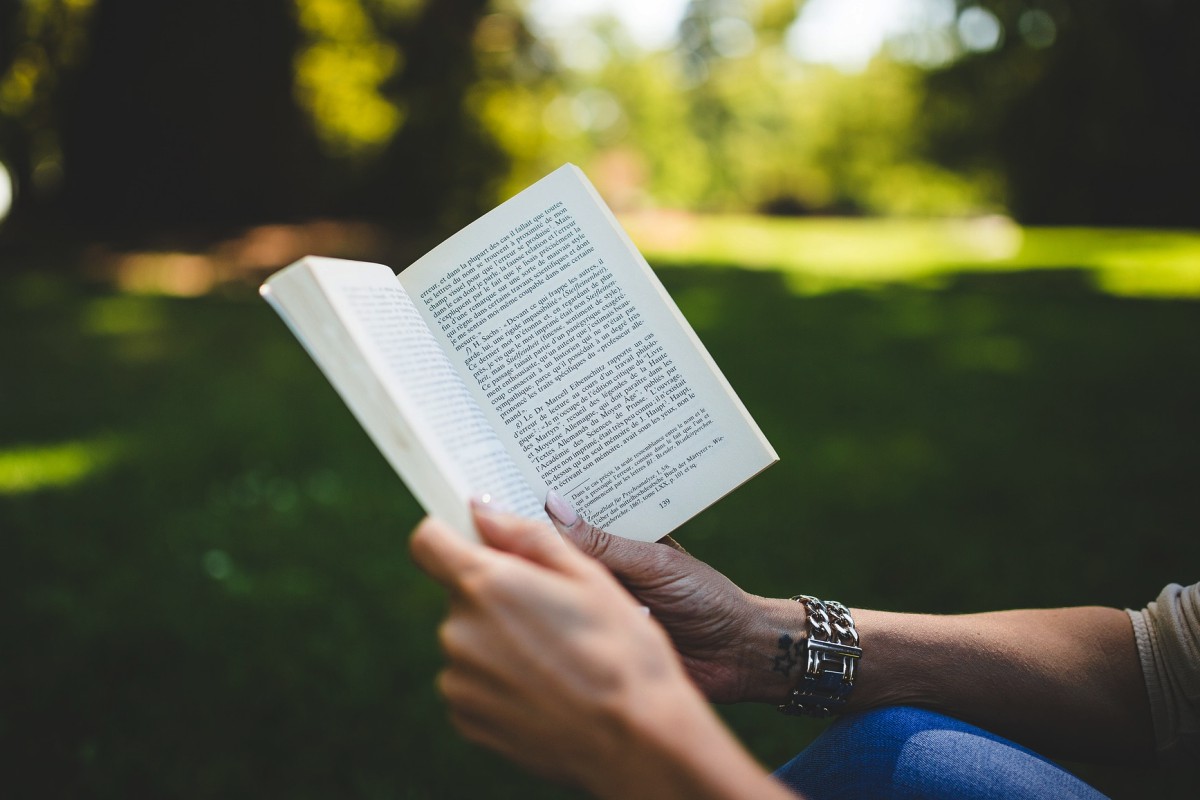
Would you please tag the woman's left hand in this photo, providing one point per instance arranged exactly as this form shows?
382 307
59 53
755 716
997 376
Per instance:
553 664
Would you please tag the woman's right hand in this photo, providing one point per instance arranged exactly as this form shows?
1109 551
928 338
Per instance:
729 640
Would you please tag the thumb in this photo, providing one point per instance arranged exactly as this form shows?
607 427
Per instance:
620 555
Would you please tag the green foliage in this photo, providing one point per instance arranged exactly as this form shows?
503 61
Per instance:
43 38
731 121
339 74
40 42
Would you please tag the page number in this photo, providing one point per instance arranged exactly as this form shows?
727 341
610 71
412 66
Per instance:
664 503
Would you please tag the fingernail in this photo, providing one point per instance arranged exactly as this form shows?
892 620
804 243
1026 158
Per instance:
483 502
560 509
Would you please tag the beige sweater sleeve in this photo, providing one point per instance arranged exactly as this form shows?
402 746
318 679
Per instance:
1168 642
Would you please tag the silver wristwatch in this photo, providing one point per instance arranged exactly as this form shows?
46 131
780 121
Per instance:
831 657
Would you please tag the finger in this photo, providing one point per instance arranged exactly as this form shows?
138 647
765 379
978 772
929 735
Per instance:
494 729
497 736
529 539
483 712
618 554
466 640
442 553
463 686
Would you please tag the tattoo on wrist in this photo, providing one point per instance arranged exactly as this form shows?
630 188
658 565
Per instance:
793 651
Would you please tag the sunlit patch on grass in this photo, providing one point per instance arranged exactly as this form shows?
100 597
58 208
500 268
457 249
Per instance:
178 274
131 325
819 255
123 315
37 467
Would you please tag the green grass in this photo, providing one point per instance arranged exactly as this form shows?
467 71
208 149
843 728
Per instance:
206 585
820 255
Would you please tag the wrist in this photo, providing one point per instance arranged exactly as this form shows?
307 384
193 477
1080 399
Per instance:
767 667
678 747
830 654
780 644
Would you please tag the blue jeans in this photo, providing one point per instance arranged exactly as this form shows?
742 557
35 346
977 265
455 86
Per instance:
912 753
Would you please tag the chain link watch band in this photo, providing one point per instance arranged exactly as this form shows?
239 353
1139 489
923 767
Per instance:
831 658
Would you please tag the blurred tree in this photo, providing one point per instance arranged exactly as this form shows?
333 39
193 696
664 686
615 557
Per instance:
444 166
183 118
40 42
714 37
134 117
762 130
1088 109
341 69
729 119
520 78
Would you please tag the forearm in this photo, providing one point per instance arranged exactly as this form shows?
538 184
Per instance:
1065 682
1062 681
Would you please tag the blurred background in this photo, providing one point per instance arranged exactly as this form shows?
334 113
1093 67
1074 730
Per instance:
947 252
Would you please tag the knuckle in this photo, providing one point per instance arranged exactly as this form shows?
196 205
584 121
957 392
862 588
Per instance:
452 688
452 638
661 560
596 542
444 684
483 582
445 636
491 587
467 728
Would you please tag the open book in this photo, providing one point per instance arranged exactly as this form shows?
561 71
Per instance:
533 350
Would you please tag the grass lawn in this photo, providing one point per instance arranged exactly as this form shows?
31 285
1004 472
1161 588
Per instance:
206 590
830 254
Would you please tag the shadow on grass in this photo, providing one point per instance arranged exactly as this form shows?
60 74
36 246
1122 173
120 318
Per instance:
224 605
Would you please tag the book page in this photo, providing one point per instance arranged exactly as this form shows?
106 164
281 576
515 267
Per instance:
584 364
441 414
